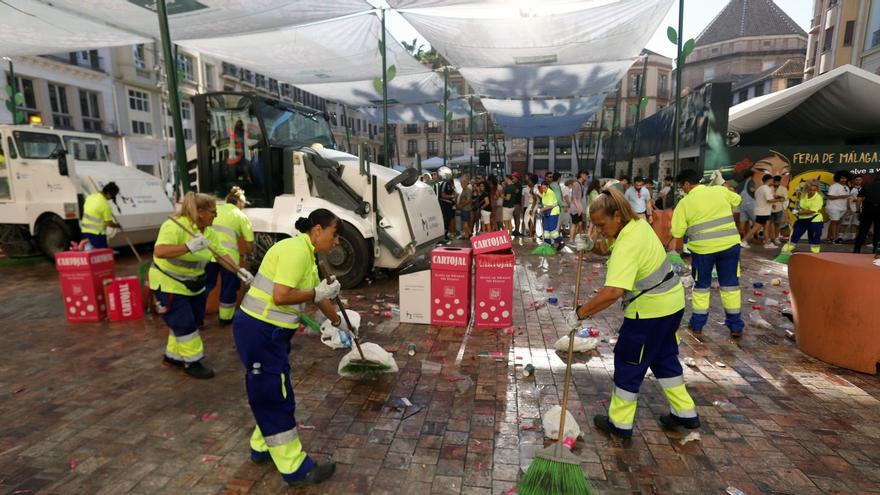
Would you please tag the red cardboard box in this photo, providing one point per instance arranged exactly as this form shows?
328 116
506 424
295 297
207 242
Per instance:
493 291
82 282
491 242
123 296
450 286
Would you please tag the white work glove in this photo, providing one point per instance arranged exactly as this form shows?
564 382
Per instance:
197 243
245 276
583 242
327 289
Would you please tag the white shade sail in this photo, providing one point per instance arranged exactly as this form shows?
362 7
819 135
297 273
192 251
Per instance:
412 89
556 81
417 113
613 30
303 55
30 27
545 117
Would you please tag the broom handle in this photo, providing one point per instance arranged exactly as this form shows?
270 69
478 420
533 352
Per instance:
220 258
322 267
577 290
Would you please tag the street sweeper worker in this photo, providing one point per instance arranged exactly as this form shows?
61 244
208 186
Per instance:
231 225
177 279
550 211
705 216
809 221
263 326
97 215
653 300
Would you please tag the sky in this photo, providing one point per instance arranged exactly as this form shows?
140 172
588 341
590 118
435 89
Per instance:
697 15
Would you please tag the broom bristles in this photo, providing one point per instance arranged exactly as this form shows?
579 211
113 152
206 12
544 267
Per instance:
544 250
365 370
547 477
783 258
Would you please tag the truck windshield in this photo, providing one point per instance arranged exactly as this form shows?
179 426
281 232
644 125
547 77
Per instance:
291 128
36 145
85 149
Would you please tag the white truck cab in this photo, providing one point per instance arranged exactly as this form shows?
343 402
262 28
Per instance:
45 175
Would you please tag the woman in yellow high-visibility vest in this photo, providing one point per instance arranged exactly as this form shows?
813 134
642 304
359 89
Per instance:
653 302
177 279
231 226
263 326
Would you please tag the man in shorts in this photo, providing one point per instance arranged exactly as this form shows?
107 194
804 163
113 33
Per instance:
577 206
507 206
777 212
764 199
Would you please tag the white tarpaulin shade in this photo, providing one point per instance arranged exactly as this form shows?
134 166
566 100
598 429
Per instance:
559 81
416 113
412 89
844 101
432 163
524 5
546 117
188 19
612 30
30 27
305 54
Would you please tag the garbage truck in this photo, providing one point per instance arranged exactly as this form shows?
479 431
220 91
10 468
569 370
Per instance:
45 175
284 156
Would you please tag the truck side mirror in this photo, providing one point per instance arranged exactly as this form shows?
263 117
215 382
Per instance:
61 155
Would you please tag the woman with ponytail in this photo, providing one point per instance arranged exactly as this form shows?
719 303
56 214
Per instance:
177 279
263 326
653 304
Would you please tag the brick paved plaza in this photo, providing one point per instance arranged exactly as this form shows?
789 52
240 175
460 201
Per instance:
89 408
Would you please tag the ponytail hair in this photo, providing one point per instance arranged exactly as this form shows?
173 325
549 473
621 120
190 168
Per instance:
193 202
322 216
610 201
235 195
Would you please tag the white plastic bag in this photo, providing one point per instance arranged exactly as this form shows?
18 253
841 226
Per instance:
337 338
581 344
550 422
759 320
372 352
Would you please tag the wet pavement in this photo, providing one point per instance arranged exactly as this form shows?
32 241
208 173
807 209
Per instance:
88 408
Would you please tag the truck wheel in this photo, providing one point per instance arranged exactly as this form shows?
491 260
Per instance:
53 236
262 242
352 259
16 241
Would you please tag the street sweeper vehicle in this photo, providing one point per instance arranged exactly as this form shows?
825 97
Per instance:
45 175
284 157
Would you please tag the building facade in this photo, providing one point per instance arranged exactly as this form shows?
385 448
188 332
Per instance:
843 32
120 93
746 38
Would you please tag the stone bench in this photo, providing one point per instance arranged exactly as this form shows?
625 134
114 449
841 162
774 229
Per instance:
836 308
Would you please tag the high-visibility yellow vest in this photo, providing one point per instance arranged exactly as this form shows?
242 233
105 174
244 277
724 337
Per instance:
166 274
96 214
813 204
548 198
290 262
230 225
705 215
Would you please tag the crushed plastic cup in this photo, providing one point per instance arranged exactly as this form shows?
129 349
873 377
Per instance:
690 361
528 370
771 302
550 290
776 281
732 490
758 285
569 442
759 293
756 306
594 332
786 292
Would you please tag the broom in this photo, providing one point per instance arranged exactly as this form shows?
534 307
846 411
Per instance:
555 470
360 365
783 258
544 250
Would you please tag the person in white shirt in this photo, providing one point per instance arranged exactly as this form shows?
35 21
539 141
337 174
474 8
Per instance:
640 199
777 211
764 199
855 185
837 205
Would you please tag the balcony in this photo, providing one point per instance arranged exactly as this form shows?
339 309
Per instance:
230 71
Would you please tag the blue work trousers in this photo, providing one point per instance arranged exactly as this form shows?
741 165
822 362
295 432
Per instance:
726 264
229 284
264 350
98 241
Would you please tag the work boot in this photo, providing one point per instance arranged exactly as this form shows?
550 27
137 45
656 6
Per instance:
259 457
671 421
175 363
224 323
603 423
697 332
736 335
318 474
197 370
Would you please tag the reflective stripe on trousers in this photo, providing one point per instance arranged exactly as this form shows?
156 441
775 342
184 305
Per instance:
680 402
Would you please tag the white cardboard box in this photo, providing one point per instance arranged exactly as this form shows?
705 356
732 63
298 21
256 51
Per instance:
415 297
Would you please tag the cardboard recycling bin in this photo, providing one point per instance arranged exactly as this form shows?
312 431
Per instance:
82 283
493 280
123 296
415 293
450 286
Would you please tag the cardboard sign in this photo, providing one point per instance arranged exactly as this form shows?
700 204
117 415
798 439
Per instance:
493 291
450 286
123 296
491 242
82 283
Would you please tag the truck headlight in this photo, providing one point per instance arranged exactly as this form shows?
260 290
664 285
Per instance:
70 210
